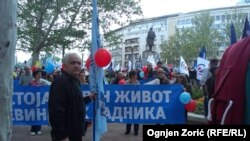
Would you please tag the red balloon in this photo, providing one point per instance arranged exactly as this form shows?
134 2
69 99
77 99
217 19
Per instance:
191 106
144 69
87 64
33 68
102 57
122 82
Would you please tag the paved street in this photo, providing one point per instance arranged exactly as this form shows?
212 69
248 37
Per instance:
115 133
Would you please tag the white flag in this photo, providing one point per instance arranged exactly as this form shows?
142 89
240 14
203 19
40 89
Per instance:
183 67
151 60
201 64
129 66
117 67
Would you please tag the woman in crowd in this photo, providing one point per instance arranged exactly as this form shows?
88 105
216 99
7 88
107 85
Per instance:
83 81
182 79
132 81
37 81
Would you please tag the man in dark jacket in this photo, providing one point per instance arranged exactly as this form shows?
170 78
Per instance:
66 104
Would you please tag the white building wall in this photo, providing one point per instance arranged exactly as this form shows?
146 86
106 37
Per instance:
165 26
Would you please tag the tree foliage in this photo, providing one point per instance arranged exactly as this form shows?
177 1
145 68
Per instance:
188 41
52 25
113 39
237 18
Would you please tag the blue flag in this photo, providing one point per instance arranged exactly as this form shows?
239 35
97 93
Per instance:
96 85
202 53
246 29
233 38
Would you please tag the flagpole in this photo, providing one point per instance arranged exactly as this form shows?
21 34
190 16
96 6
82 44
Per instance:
94 115
93 68
96 79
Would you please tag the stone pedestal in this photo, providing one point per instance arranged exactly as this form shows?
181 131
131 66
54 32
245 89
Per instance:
147 53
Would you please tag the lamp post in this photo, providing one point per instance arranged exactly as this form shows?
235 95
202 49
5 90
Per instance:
132 52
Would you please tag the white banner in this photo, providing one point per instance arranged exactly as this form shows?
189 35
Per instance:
201 64
183 67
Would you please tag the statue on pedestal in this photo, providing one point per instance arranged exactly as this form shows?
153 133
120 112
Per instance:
150 39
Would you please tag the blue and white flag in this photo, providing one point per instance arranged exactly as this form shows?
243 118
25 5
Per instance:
202 53
201 65
96 80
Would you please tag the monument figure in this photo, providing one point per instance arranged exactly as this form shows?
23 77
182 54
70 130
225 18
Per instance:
150 39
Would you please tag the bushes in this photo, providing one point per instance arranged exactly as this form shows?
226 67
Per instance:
197 93
199 106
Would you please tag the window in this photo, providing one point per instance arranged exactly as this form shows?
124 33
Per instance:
217 18
182 22
228 17
162 38
178 22
127 57
223 17
188 21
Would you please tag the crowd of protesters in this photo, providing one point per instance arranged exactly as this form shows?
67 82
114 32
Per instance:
165 75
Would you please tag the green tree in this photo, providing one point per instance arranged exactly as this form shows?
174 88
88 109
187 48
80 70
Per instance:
170 48
188 41
205 34
53 25
237 18
113 39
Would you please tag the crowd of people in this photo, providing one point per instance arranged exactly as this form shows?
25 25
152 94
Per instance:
73 75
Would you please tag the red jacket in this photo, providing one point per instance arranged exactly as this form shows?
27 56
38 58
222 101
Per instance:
230 85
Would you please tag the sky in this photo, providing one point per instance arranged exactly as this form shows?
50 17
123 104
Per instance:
154 8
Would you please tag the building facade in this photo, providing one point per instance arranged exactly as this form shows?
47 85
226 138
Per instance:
134 35
134 39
